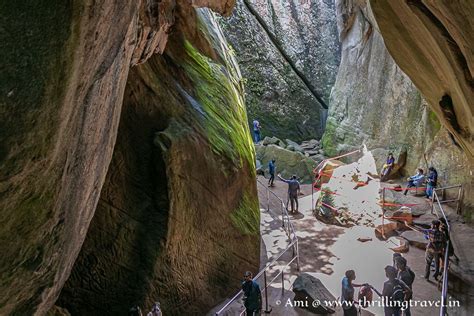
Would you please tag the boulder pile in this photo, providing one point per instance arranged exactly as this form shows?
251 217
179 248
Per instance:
309 148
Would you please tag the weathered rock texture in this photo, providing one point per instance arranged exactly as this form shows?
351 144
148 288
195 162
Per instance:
288 163
375 103
179 184
288 52
170 192
433 42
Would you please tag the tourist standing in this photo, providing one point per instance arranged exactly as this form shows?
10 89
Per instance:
293 192
395 256
432 182
271 170
256 130
408 277
347 293
394 293
252 295
434 249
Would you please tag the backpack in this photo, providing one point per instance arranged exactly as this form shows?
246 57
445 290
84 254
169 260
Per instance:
398 294
437 240
412 275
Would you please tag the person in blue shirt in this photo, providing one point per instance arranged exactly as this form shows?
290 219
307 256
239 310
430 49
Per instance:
271 170
387 167
432 181
256 130
293 191
347 293
416 180
252 295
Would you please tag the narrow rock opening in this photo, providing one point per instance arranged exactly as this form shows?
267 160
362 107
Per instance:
126 236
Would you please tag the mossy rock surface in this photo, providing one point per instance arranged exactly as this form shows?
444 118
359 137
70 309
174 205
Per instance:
288 163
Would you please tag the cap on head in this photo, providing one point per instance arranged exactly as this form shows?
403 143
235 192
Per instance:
248 274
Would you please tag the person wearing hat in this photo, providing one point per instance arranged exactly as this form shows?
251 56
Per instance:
252 295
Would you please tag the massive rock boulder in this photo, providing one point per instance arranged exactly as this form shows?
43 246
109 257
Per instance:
374 102
310 292
288 162
168 201
433 43
288 52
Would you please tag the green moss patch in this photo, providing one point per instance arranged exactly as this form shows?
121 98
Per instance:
246 217
224 109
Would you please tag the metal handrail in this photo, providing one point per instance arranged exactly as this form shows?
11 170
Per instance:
293 245
435 200
444 288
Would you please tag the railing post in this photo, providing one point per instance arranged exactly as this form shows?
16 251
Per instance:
267 311
383 212
458 206
268 200
282 283
297 256
283 215
433 200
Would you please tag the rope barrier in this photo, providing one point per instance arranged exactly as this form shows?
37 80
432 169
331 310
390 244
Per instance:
329 206
343 179
399 204
402 189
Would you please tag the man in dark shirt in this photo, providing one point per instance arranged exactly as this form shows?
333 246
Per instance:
394 293
434 249
252 295
432 182
293 191
271 171
408 277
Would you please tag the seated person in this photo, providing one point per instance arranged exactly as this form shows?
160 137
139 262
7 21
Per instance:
416 180
388 166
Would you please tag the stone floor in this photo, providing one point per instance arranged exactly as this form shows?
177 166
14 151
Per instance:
327 251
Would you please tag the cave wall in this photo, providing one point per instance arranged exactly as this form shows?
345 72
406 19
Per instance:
375 102
64 70
288 52
63 75
432 41
178 218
